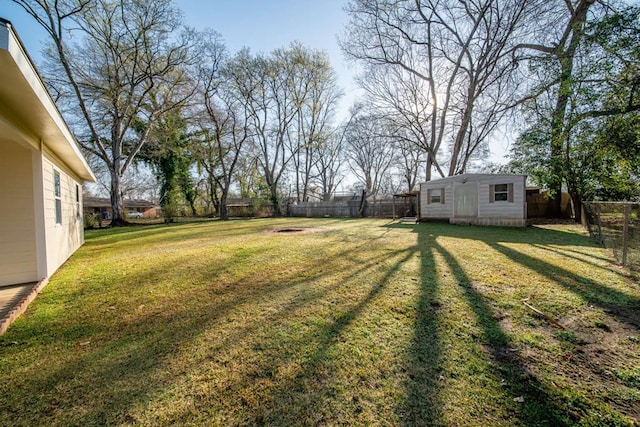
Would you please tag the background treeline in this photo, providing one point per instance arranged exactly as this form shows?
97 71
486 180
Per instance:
441 79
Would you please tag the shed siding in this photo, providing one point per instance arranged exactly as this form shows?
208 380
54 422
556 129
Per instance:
61 239
436 210
501 209
490 212
17 221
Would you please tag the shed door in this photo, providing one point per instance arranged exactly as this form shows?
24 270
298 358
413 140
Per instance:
465 203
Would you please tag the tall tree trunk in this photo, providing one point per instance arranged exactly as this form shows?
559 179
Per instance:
559 135
558 138
117 202
576 199
428 168
213 194
363 204
462 133
273 188
224 212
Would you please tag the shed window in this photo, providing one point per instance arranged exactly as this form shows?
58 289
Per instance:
501 193
436 195
57 193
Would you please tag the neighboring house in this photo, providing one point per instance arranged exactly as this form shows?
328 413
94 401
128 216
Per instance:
41 172
482 199
138 208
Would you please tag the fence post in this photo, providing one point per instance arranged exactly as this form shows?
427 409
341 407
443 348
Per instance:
600 237
625 234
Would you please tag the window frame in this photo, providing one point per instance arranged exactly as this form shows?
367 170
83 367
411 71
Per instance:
435 196
57 196
499 195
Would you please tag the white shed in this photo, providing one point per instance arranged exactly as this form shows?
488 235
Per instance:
481 199
41 172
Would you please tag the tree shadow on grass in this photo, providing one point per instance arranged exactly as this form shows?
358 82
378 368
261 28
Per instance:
314 395
619 304
577 256
536 405
513 243
525 399
262 370
422 403
110 377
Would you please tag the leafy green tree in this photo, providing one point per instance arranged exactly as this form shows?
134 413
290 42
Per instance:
585 70
170 154
601 160
615 159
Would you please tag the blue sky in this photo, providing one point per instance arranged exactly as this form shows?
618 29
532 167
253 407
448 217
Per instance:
261 25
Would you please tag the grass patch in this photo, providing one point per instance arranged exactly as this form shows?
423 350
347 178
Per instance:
360 322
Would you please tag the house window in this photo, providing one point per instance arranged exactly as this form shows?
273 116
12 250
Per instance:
77 200
57 193
501 193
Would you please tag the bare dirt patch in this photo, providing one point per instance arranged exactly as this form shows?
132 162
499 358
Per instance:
601 355
295 230
604 356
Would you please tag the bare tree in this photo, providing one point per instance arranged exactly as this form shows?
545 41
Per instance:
289 96
458 53
248 177
410 162
314 85
225 126
330 163
369 148
123 71
404 99
263 84
137 183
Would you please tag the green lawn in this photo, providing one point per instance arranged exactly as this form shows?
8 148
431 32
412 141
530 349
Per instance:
355 322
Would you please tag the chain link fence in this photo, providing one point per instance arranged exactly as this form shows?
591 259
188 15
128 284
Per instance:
617 226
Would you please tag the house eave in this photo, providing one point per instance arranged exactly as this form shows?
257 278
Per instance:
35 118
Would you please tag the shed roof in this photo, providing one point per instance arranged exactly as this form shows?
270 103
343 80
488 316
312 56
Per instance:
475 177
28 114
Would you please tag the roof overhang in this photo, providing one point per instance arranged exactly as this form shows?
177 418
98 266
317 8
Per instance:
28 114
475 177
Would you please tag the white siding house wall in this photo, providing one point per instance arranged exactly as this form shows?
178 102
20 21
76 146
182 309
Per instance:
34 142
64 238
488 211
17 216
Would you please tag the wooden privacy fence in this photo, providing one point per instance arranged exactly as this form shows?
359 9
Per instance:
617 226
385 208
344 208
